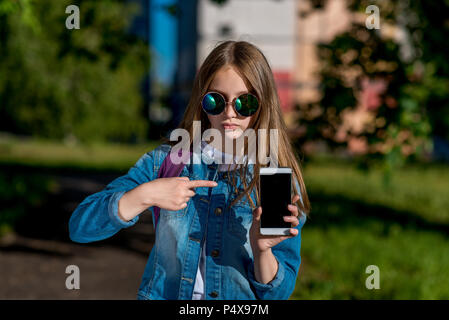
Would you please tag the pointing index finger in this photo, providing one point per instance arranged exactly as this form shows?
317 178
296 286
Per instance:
202 183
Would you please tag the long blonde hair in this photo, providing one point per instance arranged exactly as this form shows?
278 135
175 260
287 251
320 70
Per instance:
252 66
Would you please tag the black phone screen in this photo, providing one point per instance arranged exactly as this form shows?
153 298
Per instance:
275 194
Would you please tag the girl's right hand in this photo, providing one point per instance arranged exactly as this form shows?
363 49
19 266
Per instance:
173 193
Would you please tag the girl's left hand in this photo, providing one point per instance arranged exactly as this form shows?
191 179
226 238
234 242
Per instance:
261 243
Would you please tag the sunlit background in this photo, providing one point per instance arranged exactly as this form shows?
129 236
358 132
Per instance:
364 91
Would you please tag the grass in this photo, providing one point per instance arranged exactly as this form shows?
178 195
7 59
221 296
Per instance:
356 220
412 263
52 154
420 190
23 190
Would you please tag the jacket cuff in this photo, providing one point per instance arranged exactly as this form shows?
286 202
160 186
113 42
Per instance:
273 284
113 211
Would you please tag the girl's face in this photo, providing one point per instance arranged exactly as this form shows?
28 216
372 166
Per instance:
230 85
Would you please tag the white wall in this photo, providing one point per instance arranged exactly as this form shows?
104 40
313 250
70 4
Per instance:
268 24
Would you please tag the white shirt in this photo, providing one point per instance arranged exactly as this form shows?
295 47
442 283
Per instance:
198 290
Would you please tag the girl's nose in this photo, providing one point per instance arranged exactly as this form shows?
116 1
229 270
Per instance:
229 110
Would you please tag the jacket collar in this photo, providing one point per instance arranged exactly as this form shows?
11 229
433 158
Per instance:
212 155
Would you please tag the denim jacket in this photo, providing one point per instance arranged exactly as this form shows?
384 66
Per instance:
172 264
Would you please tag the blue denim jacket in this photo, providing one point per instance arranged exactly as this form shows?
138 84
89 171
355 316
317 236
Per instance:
172 265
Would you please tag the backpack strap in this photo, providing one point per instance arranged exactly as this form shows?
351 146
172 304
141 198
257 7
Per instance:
167 170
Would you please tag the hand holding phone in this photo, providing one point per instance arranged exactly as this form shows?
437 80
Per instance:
275 196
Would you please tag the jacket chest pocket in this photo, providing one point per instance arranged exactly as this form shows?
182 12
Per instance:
240 218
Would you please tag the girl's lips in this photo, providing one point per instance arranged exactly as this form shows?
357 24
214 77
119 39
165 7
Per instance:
229 126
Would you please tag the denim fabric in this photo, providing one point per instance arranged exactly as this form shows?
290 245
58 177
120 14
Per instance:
172 264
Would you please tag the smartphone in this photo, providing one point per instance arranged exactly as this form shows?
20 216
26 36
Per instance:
275 195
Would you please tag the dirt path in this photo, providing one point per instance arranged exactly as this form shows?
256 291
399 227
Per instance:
33 261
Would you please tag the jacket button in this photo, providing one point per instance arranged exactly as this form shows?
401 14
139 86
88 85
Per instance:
215 253
213 294
218 211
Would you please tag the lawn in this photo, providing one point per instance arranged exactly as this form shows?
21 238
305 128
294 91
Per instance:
25 164
356 220
51 154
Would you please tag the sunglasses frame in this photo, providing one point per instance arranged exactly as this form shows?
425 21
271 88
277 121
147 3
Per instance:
232 102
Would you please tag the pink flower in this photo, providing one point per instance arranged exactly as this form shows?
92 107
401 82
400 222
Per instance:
358 145
371 93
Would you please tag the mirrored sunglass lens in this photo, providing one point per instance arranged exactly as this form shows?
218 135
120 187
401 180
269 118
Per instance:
246 104
213 103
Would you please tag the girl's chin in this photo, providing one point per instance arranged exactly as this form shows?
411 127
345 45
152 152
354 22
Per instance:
233 134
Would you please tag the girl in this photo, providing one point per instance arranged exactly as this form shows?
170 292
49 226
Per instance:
208 243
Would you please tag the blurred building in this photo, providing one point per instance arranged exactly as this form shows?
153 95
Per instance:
182 33
312 27
270 25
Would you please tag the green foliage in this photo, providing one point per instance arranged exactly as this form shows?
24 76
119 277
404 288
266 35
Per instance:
398 89
24 8
428 26
19 194
80 84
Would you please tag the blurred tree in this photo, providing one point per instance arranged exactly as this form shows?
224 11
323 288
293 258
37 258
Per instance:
428 26
24 7
384 92
77 84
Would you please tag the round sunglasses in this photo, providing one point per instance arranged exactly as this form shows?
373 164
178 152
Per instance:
245 105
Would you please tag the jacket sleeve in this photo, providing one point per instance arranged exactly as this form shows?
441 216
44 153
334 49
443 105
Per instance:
96 217
288 255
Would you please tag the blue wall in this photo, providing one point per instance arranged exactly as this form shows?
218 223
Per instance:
172 41
186 58
163 40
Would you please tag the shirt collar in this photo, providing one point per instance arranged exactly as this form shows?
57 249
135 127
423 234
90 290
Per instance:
214 154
